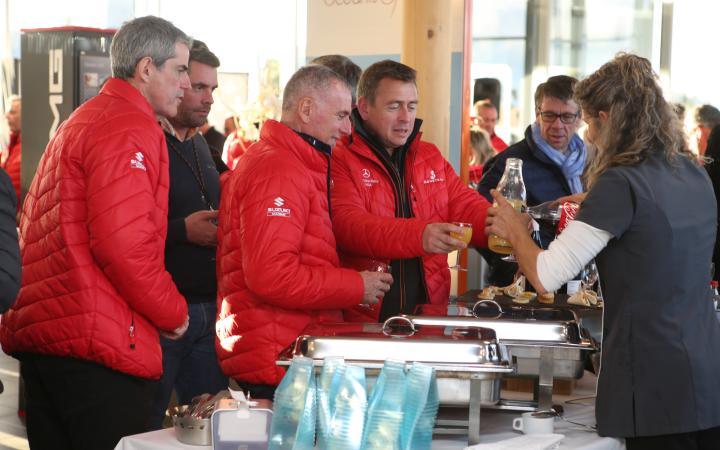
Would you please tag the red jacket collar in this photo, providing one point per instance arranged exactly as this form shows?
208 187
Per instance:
120 88
279 135
359 145
15 139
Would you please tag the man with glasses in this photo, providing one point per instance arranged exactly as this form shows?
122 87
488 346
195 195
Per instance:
553 158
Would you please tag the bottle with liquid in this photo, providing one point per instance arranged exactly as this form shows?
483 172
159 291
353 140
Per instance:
548 212
548 216
512 187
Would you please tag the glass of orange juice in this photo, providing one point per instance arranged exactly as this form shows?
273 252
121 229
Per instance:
464 235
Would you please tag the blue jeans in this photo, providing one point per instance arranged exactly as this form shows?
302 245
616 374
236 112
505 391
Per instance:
190 364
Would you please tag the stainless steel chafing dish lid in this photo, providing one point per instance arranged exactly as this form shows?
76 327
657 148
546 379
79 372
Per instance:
370 350
542 330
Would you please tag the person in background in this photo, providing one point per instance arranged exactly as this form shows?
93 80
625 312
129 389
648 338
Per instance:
190 364
12 163
712 166
707 117
278 267
481 152
229 126
95 292
679 109
649 219
487 117
553 157
343 66
10 264
395 195
214 138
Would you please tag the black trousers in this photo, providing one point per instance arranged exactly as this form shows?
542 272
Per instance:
264 391
80 405
699 440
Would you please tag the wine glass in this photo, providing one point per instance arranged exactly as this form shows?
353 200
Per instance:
589 275
375 265
464 235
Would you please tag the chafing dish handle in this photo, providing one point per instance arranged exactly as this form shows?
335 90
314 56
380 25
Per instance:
480 303
404 322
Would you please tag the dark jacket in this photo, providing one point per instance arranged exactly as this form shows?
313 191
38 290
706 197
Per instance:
713 170
191 266
216 142
9 248
544 181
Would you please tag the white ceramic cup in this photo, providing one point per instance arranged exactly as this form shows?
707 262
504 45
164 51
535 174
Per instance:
534 425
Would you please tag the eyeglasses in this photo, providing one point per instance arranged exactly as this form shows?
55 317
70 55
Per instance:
566 118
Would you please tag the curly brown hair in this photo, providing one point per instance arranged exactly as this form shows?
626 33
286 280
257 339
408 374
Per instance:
640 121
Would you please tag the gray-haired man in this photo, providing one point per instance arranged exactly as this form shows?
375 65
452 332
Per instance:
95 290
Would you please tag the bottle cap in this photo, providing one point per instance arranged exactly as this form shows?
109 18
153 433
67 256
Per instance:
714 283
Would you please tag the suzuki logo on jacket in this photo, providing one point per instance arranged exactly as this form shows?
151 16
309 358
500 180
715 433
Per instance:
137 161
278 211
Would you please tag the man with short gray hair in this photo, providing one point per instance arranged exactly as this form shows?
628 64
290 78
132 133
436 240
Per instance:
278 270
95 291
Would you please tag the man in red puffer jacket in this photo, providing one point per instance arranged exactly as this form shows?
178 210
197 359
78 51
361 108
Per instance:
12 163
394 195
278 270
95 292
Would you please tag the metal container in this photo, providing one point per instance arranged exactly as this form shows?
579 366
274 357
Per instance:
543 343
188 429
458 359
468 364
525 331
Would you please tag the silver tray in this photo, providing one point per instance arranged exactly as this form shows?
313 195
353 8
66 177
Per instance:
461 354
527 333
526 327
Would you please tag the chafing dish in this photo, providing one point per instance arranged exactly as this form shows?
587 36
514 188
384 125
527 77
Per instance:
468 365
543 343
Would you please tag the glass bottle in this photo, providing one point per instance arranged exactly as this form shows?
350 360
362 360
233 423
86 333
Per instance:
512 187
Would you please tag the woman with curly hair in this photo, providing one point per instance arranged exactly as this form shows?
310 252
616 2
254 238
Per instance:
649 220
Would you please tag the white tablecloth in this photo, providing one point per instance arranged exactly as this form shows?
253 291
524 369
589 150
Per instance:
494 426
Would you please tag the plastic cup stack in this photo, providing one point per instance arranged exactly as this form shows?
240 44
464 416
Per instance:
350 405
421 405
293 423
385 409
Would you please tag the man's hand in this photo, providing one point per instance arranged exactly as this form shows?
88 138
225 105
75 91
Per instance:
376 285
178 332
200 228
436 238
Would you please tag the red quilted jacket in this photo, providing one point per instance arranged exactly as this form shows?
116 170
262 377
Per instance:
364 222
12 163
92 236
278 270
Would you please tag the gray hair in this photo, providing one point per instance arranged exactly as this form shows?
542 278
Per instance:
309 80
145 36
